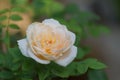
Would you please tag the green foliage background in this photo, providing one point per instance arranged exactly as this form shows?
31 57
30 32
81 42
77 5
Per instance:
14 66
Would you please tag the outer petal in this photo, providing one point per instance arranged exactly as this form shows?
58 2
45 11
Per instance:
23 46
31 54
72 40
51 22
73 37
68 57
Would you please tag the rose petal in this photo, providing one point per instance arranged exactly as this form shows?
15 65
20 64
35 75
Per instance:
68 57
72 40
51 22
47 56
27 52
31 54
33 30
23 46
73 37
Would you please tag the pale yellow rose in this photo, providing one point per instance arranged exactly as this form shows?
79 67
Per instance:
49 41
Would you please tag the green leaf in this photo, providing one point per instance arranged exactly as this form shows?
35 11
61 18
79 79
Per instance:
72 69
82 68
97 65
89 61
43 71
26 65
2 18
3 11
18 9
65 72
94 64
97 75
8 61
28 68
6 75
61 72
15 17
15 53
43 74
14 26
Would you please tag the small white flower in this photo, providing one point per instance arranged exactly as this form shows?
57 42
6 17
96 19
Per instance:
49 41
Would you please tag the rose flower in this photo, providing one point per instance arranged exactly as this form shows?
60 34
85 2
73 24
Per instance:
49 41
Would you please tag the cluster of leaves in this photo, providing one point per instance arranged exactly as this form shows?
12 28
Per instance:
14 66
7 15
4 16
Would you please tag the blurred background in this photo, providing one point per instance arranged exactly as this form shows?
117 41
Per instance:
106 47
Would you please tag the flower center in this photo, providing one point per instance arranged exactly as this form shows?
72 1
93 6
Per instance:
50 42
47 45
